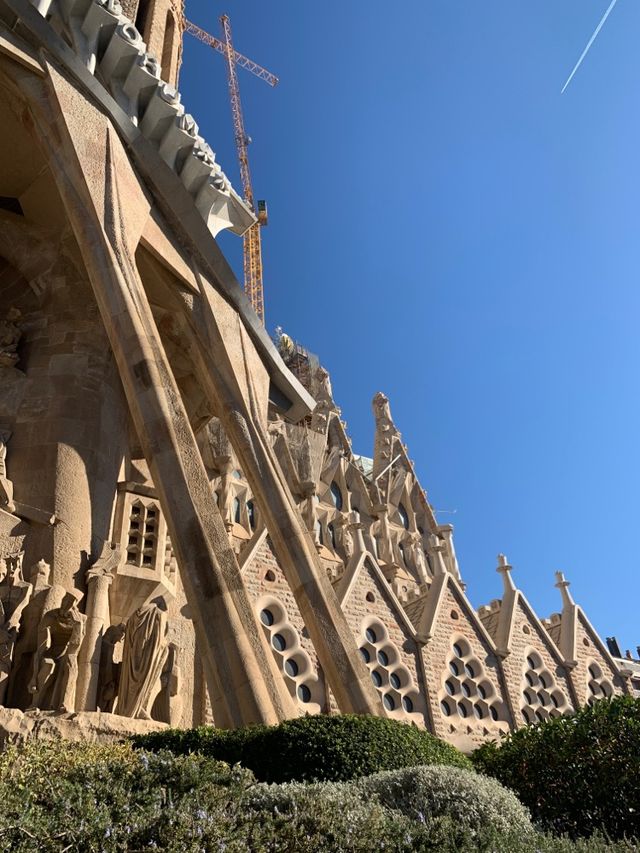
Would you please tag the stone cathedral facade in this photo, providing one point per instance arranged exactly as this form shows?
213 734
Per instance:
186 533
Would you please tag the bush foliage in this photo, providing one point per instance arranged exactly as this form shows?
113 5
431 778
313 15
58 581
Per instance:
61 797
576 774
314 748
474 803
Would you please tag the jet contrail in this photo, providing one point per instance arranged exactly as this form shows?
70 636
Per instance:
591 41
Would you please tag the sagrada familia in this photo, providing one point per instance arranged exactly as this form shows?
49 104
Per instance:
186 533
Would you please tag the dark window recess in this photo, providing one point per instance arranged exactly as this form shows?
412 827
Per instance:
11 204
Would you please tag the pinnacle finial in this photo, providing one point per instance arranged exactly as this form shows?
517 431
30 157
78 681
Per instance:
563 585
504 568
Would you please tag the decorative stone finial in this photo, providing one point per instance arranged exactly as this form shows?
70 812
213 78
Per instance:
563 585
505 570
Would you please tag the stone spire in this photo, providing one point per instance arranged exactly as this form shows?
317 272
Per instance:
568 622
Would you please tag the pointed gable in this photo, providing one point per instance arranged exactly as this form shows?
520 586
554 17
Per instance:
467 698
385 637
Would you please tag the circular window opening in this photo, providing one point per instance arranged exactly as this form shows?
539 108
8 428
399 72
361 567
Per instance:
365 655
554 701
477 710
494 713
454 614
407 704
278 642
304 694
270 576
457 650
450 687
531 663
389 702
291 667
462 709
453 666
394 681
383 658
529 679
371 635
585 642
376 678
466 690
470 670
526 629
482 693
266 617
446 710
370 597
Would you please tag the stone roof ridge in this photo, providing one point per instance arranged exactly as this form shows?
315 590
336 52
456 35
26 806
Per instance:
118 58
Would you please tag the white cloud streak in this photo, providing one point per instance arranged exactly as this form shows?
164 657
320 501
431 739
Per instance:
591 41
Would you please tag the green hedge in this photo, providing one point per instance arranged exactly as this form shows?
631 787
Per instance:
313 748
576 774
472 802
70 798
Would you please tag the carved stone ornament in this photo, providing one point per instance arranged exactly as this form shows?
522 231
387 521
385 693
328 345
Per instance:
55 669
10 334
15 593
143 659
6 486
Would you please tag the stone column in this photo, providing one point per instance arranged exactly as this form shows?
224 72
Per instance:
99 578
107 208
330 633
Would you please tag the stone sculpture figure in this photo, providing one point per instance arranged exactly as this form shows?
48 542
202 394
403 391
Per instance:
43 598
55 665
15 593
168 705
10 334
143 659
6 486
109 677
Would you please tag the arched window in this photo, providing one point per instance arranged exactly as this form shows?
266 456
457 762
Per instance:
404 517
336 495
251 512
236 510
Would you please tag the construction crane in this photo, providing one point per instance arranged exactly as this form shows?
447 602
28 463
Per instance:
252 249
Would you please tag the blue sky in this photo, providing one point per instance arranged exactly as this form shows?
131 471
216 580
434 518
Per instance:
449 229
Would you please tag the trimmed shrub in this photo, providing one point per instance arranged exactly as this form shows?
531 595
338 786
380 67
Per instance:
327 816
576 774
473 804
67 796
314 748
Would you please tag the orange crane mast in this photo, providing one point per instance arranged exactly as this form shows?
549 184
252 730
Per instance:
252 248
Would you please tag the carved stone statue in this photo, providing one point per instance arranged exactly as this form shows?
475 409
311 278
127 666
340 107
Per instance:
55 665
15 593
143 659
6 486
109 678
168 706
10 335
43 598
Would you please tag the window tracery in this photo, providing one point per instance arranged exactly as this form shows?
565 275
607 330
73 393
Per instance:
467 691
599 685
293 661
541 696
390 676
142 540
